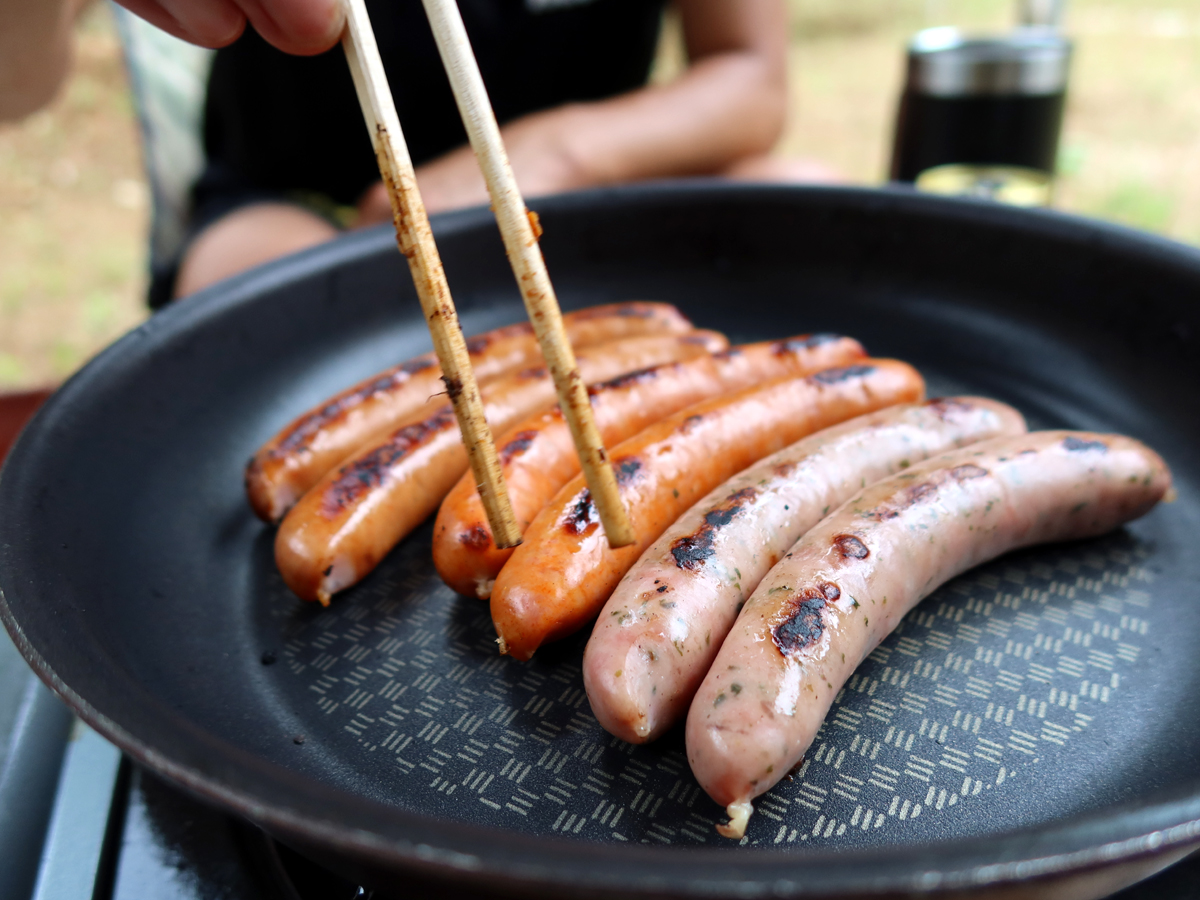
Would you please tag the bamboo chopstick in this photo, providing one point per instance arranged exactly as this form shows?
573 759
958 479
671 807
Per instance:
416 243
520 232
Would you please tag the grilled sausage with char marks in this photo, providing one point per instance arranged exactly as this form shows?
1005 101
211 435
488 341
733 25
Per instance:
343 527
660 630
559 578
297 456
537 456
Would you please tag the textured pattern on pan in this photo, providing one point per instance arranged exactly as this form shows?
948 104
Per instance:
975 700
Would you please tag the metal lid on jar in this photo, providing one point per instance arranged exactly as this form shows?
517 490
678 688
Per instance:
943 62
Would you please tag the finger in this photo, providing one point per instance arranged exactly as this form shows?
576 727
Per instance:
211 23
303 27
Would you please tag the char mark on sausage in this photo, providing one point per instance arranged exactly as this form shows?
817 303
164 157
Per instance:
841 373
634 377
628 311
918 493
851 547
412 367
297 438
479 343
949 408
583 516
967 472
691 551
476 537
626 469
368 471
804 622
520 442
1073 444
807 342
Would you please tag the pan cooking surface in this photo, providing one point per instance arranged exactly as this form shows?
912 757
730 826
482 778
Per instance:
972 715
1052 692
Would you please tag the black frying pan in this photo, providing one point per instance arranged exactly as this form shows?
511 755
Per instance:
1037 717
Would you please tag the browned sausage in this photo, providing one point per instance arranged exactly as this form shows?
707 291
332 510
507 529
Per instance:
848 582
537 456
295 459
343 527
564 571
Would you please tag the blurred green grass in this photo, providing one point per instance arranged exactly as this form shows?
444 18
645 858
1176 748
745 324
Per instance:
1138 204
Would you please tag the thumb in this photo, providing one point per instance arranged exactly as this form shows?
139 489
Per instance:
302 27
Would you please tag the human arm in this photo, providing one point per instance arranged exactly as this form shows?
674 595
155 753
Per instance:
728 105
35 53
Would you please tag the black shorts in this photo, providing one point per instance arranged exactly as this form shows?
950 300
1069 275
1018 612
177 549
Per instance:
217 193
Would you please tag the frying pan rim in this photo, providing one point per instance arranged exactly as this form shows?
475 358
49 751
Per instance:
1178 821
440 862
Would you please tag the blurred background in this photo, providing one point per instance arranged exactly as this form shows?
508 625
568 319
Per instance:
74 206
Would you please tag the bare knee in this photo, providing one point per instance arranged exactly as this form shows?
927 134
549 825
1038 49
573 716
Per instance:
246 238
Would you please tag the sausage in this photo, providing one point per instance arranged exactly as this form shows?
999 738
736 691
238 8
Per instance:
847 583
559 578
343 527
295 459
662 626
537 456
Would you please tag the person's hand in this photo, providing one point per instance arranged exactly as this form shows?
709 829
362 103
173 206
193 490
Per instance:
302 27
